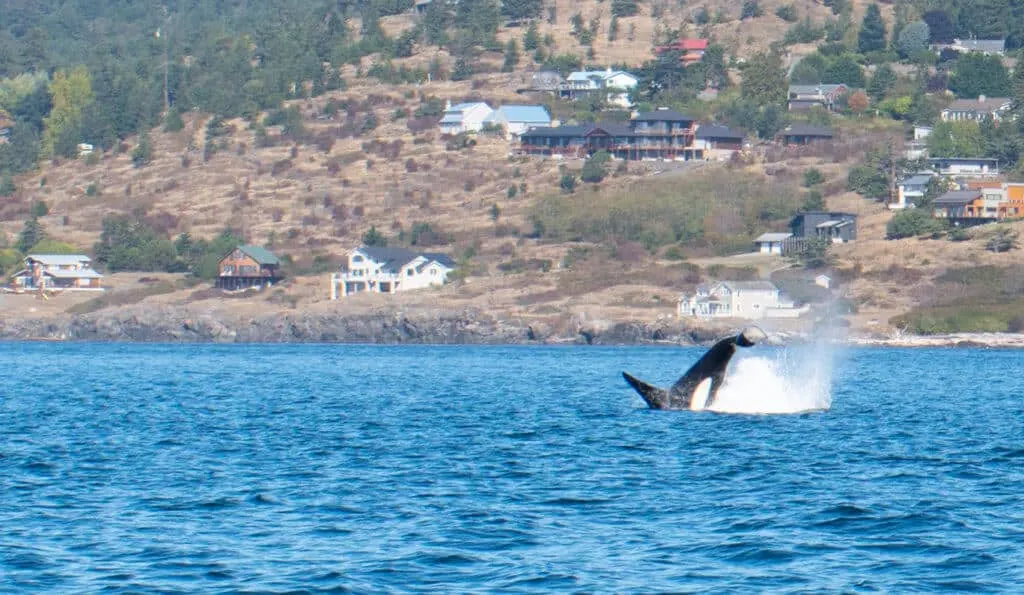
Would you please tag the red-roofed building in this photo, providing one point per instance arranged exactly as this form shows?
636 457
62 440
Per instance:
692 49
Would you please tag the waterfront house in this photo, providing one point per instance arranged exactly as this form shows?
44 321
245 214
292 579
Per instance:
804 97
57 272
517 119
960 206
965 166
246 267
989 47
390 270
835 226
464 117
977 109
753 300
773 243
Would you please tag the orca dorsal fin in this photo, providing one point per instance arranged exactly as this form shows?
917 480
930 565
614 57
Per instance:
656 398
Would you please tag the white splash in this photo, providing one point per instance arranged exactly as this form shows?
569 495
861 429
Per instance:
792 382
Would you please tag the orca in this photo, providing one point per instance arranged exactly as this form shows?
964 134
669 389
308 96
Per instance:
711 367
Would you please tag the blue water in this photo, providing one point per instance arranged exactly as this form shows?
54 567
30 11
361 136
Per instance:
471 469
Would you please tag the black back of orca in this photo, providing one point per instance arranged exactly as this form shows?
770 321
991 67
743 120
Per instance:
711 365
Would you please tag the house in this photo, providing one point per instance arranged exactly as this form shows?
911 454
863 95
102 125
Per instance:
464 117
247 266
718 141
804 97
977 109
546 80
960 206
738 299
615 84
57 271
420 6
804 134
660 134
691 50
911 190
517 119
965 166
995 47
823 280
773 243
390 270
835 226
922 132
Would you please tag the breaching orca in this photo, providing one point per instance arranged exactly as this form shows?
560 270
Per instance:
711 366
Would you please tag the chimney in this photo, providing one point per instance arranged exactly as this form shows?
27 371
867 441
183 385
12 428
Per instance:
448 105
981 99
609 71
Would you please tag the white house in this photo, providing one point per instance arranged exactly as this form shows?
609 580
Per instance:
911 190
988 47
739 299
771 243
390 270
965 166
517 119
58 271
823 280
617 84
464 117
977 109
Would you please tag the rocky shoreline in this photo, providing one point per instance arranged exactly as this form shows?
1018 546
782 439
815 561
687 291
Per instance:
178 324
170 324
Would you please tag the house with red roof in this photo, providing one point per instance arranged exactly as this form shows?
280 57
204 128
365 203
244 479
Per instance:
692 49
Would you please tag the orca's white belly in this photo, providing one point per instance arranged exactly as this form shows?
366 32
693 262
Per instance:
700 395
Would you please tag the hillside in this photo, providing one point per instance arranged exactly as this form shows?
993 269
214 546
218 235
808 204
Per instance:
311 196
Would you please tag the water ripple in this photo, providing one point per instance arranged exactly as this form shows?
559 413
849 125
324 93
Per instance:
275 469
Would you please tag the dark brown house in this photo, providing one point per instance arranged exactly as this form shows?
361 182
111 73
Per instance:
804 134
248 266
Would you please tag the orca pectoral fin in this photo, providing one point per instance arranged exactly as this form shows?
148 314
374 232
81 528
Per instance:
656 398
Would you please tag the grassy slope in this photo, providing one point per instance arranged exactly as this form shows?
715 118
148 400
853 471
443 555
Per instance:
310 209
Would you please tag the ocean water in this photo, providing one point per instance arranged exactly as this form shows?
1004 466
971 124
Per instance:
144 468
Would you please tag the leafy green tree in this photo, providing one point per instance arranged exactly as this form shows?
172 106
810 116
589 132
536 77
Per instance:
813 201
871 37
940 27
976 74
962 138
70 92
786 12
845 69
813 177
913 38
881 81
435 23
815 253
910 223
39 209
374 238
7 187
129 244
764 80
567 183
750 10
173 121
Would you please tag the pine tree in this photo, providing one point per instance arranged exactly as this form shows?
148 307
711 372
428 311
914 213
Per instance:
511 56
881 81
764 80
31 234
435 23
531 39
871 37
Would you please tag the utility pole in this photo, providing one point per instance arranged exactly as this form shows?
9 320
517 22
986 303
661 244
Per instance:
167 99
892 174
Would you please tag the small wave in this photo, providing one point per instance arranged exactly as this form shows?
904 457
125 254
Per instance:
790 383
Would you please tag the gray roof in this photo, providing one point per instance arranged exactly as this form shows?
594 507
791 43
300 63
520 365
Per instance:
392 259
60 259
958 197
718 131
821 89
260 255
750 285
982 45
773 237
981 104
662 115
918 180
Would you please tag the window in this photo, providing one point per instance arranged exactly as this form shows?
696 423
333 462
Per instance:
409 272
357 258
228 269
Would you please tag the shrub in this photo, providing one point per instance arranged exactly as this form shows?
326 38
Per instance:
786 12
812 177
912 222
39 209
567 183
374 238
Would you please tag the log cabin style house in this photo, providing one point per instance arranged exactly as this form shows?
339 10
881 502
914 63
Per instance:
248 266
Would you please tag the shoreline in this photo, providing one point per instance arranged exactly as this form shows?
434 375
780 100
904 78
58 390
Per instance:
170 324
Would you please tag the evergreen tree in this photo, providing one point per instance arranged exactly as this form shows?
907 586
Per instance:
521 9
31 234
845 69
7 186
624 8
531 39
374 238
764 80
976 74
70 93
940 27
750 10
142 154
511 56
913 39
871 37
881 81
435 23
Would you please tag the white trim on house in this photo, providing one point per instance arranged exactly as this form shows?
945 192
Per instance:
389 270
752 300
72 272
464 117
771 243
